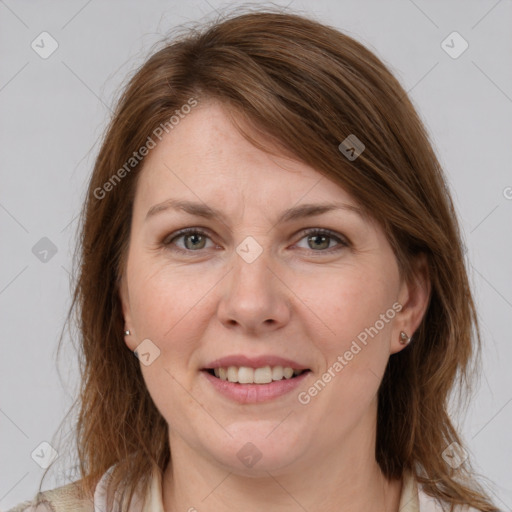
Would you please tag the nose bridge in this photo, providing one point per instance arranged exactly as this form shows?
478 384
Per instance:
254 298
251 265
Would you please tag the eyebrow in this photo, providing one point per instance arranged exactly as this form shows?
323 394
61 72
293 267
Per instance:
205 211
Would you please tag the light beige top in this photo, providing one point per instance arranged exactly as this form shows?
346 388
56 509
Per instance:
68 499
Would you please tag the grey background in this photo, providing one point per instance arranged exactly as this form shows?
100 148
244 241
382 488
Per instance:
54 110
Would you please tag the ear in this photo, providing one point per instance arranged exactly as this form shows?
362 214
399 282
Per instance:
414 297
124 297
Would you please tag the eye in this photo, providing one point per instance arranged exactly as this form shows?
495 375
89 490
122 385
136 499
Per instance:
319 240
193 238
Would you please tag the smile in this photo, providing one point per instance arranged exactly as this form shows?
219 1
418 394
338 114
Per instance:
248 375
243 387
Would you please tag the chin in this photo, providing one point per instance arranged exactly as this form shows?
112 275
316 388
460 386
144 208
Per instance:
258 447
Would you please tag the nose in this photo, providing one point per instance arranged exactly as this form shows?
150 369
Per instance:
254 299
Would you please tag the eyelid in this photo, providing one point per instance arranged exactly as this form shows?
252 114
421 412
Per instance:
341 239
167 241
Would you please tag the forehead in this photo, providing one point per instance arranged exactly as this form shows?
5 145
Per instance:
206 158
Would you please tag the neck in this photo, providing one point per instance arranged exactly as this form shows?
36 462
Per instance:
356 484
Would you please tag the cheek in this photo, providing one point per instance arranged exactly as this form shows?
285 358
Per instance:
164 300
356 305
167 308
350 304
355 359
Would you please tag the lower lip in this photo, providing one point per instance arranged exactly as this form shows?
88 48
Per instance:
254 393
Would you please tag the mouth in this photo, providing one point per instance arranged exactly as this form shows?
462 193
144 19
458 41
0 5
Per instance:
248 375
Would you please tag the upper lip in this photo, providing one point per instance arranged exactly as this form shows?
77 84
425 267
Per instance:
254 362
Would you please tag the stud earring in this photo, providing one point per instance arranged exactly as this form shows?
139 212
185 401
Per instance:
404 339
127 333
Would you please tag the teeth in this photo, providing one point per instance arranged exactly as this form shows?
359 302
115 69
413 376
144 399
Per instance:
246 375
262 375
232 374
277 373
288 372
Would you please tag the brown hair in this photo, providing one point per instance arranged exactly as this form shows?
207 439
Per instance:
307 86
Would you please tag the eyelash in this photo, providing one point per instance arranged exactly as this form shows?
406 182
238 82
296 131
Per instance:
342 243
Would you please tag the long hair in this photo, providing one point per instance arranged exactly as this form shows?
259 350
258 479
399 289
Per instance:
308 87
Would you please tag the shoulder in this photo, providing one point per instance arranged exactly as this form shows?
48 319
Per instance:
429 504
67 498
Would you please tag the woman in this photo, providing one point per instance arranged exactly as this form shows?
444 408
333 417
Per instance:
268 230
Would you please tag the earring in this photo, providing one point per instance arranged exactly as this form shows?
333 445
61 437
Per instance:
127 333
404 339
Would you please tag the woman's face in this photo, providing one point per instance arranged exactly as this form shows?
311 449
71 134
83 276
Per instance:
255 287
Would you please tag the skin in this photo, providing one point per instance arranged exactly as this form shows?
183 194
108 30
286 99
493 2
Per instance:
301 299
